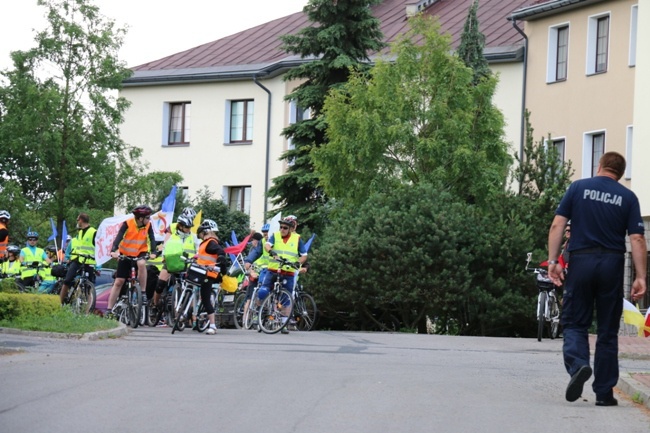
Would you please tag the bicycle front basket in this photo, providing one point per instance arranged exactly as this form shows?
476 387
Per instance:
196 275
544 282
59 271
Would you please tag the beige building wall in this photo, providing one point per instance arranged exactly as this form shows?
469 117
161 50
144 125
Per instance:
208 160
641 147
508 99
583 103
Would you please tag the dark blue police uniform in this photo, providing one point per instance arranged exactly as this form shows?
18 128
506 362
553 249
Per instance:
601 211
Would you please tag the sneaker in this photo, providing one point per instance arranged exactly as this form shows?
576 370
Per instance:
284 330
211 331
577 382
195 326
607 402
256 320
110 315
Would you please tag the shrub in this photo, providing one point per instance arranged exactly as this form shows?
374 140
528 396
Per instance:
13 306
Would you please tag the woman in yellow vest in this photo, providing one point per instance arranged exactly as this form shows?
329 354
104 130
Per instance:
210 254
11 268
133 239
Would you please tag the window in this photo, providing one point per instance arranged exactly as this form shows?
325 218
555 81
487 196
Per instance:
559 144
179 123
239 198
593 149
633 27
597 44
558 53
296 114
241 121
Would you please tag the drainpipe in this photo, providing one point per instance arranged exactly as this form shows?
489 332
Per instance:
268 147
523 96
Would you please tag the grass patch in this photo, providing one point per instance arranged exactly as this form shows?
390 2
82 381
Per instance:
63 320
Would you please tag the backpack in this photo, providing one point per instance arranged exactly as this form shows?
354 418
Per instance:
173 254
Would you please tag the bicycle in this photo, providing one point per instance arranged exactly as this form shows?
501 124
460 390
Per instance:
166 309
129 304
190 297
243 312
548 308
82 296
305 311
272 313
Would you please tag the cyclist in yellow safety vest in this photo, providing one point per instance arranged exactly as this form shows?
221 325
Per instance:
83 243
289 246
47 279
29 255
179 241
12 266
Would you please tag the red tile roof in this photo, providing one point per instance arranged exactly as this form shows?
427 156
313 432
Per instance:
261 45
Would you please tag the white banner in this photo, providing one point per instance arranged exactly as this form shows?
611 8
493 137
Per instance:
106 234
160 221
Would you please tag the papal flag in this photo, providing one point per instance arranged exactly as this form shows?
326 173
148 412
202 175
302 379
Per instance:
632 316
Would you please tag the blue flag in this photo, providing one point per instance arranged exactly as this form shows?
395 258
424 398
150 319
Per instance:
54 232
170 201
64 236
308 244
233 237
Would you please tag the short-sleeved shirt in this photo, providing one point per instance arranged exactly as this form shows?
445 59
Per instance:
601 211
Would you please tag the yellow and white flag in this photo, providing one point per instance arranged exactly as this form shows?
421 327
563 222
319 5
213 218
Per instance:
197 221
632 316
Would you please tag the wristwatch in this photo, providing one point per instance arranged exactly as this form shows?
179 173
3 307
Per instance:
553 262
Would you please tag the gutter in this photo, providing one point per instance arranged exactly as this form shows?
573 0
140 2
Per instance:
545 9
522 136
268 148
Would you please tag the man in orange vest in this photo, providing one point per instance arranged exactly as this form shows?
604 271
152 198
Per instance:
134 239
4 233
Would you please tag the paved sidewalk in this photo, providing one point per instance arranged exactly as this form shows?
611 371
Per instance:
635 385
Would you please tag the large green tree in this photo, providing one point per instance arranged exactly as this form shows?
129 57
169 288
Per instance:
60 113
341 36
419 118
472 43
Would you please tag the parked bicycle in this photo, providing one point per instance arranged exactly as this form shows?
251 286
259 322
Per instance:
82 296
129 304
165 310
243 313
548 307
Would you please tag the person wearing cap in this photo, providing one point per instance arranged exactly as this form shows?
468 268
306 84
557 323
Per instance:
4 233
31 254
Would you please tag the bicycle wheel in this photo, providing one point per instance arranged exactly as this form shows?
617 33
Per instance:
271 316
202 320
85 301
181 300
134 307
305 312
555 317
238 312
541 314
153 313
170 303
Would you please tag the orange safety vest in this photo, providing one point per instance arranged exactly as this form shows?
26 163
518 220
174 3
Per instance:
205 259
5 243
134 241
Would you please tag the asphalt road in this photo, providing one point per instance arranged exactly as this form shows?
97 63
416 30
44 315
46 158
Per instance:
242 381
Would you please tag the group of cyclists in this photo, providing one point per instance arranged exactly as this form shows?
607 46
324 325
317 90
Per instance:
157 261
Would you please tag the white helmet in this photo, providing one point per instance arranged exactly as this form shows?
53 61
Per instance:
207 226
5 214
189 212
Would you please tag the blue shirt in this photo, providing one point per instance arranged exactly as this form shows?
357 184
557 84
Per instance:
601 211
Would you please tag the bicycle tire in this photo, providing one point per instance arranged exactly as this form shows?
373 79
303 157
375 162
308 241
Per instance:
305 312
170 305
179 308
134 307
153 313
238 312
541 314
270 316
87 298
555 319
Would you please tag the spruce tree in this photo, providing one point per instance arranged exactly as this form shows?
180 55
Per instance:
472 43
342 35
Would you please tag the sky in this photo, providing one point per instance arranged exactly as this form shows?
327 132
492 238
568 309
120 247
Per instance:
156 28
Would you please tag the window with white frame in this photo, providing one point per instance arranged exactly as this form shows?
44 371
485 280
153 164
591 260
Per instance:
239 121
559 145
178 122
633 28
597 44
296 114
629 141
593 149
239 199
558 53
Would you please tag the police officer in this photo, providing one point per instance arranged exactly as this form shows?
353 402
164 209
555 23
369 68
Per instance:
601 211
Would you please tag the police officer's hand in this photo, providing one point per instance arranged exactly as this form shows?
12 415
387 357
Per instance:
638 288
556 274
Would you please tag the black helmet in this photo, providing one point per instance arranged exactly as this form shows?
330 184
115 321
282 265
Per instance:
13 249
142 211
51 249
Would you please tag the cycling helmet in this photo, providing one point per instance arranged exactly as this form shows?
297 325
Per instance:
266 227
142 211
13 249
287 222
32 234
292 220
51 249
184 220
4 214
208 226
68 238
190 213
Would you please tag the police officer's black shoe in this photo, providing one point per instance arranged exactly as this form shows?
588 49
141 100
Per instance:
607 402
577 382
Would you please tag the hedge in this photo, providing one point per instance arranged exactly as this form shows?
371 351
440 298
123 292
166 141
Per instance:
13 305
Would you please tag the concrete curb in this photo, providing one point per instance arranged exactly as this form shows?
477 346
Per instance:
637 391
119 331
